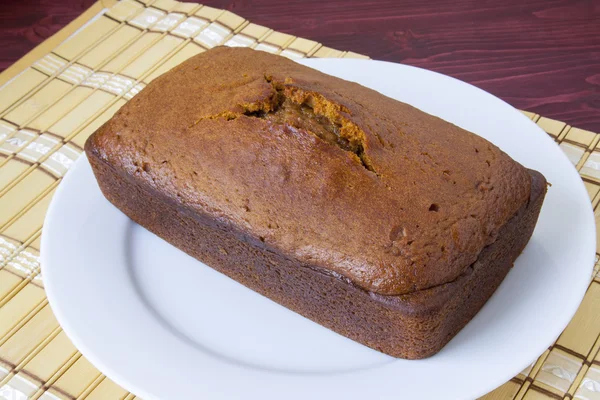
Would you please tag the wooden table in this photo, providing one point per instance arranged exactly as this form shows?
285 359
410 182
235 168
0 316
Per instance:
538 55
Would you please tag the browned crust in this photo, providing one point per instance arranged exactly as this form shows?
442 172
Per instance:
405 202
412 326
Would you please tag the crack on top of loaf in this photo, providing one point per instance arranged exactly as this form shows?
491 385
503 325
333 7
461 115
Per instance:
298 109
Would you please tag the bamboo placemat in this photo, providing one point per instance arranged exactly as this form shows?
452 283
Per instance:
57 95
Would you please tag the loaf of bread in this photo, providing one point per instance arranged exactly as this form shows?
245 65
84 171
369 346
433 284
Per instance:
364 214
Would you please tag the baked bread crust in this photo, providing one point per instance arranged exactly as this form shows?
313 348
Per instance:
362 213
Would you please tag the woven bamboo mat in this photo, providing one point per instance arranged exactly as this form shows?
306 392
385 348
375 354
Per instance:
56 96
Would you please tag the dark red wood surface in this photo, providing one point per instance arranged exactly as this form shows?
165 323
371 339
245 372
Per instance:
538 55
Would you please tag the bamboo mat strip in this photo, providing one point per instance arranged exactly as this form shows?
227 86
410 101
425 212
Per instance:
56 96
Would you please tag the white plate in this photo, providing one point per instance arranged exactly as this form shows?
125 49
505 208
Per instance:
166 326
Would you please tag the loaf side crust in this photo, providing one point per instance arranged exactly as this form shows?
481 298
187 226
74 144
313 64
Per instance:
411 326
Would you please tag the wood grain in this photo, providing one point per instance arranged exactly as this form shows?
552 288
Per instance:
538 55
26 23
